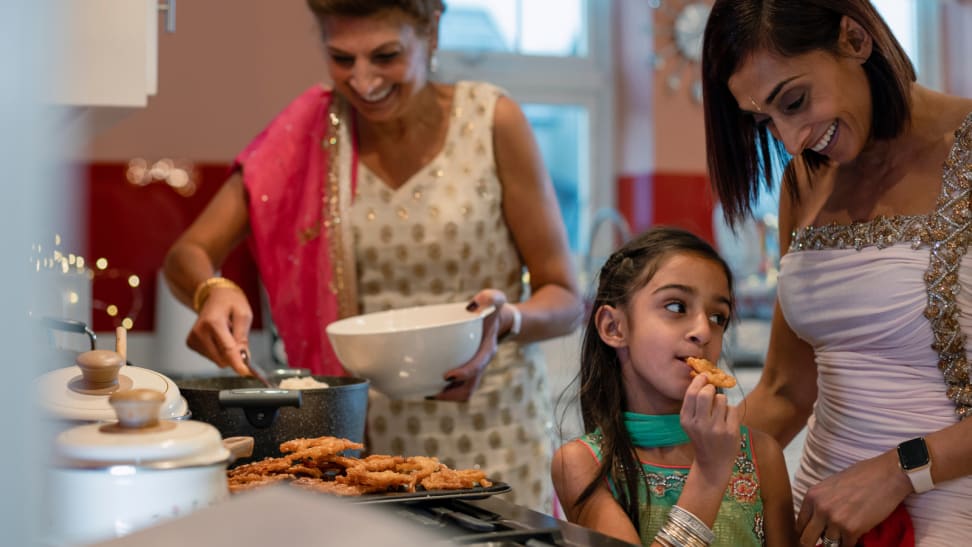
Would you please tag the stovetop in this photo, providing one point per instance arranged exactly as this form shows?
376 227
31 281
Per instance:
497 522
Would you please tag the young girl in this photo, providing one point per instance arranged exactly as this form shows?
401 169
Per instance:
665 460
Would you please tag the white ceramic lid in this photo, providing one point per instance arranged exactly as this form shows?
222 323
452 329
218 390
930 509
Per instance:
140 438
62 393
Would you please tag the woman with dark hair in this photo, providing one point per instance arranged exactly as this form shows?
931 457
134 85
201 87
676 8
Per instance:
391 190
869 342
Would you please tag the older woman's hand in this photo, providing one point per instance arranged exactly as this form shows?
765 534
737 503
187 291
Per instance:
221 330
463 380
845 505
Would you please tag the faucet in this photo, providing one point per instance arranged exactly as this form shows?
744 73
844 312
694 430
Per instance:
613 218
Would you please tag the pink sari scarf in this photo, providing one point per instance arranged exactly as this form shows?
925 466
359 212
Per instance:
299 174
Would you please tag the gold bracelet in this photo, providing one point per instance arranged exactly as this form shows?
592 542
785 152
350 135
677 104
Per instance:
202 290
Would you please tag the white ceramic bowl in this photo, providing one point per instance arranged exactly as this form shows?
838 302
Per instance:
405 352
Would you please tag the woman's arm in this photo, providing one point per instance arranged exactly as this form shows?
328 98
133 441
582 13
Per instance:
779 522
782 400
572 469
858 498
224 321
530 207
531 212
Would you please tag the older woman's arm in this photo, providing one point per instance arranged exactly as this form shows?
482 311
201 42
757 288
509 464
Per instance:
530 206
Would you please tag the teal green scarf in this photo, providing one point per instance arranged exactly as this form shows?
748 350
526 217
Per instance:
654 430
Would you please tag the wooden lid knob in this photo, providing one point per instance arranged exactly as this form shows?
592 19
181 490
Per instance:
99 369
137 408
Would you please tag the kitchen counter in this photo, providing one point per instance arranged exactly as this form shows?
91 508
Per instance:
283 516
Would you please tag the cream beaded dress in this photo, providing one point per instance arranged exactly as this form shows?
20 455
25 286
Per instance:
441 237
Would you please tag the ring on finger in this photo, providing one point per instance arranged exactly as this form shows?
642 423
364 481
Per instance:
830 542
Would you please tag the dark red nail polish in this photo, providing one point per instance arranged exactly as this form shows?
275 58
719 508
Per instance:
472 306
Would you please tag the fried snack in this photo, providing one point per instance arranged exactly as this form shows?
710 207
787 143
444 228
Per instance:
323 445
455 479
243 483
419 467
318 465
717 377
333 487
266 466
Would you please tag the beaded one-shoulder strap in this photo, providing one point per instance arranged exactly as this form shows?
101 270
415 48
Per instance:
946 233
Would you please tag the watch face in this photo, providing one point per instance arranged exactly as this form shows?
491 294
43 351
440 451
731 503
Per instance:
913 454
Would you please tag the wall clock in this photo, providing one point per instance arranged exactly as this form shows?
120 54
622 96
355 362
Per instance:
678 27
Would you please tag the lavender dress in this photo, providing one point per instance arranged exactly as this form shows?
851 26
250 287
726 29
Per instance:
887 306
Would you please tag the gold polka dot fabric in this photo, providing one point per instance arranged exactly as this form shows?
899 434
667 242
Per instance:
441 237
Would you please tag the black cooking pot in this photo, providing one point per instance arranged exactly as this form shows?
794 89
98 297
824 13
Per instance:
239 406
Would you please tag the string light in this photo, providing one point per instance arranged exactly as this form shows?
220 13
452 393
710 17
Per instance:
180 176
57 262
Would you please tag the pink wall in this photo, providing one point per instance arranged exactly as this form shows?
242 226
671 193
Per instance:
228 68
657 129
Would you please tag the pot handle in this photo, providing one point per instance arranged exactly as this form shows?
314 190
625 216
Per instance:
259 405
259 398
239 447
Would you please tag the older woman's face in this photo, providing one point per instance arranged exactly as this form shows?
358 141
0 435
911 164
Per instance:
815 101
378 63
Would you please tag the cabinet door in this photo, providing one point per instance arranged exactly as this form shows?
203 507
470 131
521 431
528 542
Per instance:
108 52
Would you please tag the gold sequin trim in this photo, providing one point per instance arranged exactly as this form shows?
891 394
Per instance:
341 270
946 233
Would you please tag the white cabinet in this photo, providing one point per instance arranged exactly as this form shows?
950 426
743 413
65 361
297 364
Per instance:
108 54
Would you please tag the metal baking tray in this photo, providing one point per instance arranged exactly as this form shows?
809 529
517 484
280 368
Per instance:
478 492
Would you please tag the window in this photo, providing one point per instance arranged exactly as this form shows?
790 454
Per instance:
915 23
554 58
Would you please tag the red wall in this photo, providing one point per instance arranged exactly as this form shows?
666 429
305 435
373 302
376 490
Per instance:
674 199
133 227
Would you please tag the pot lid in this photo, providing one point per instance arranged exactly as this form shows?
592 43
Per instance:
140 438
81 392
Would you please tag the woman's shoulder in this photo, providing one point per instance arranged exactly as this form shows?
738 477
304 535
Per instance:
944 114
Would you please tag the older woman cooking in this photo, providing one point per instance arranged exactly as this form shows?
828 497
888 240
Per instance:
421 193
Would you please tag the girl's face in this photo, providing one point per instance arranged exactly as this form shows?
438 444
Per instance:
682 312
378 63
814 101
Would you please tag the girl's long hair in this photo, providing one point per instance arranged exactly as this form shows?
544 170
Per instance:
601 390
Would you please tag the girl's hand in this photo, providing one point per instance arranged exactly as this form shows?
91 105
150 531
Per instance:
713 427
221 329
463 380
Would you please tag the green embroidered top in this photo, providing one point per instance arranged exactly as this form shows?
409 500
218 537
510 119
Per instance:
739 522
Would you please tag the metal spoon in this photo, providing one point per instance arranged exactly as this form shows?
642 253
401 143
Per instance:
255 371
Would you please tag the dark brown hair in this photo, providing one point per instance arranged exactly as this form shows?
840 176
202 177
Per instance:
422 11
740 154
601 389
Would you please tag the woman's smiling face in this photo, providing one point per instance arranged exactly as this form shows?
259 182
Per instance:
819 101
378 63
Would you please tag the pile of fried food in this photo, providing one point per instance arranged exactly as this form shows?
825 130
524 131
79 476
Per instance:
317 464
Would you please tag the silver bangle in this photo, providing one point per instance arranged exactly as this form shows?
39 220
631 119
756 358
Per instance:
670 538
691 523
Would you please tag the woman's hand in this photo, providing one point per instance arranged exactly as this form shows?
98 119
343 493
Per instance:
849 503
713 427
463 380
221 330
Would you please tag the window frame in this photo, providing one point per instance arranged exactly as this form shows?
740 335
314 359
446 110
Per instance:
585 81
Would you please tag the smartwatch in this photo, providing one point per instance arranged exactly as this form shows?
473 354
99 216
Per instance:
915 461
